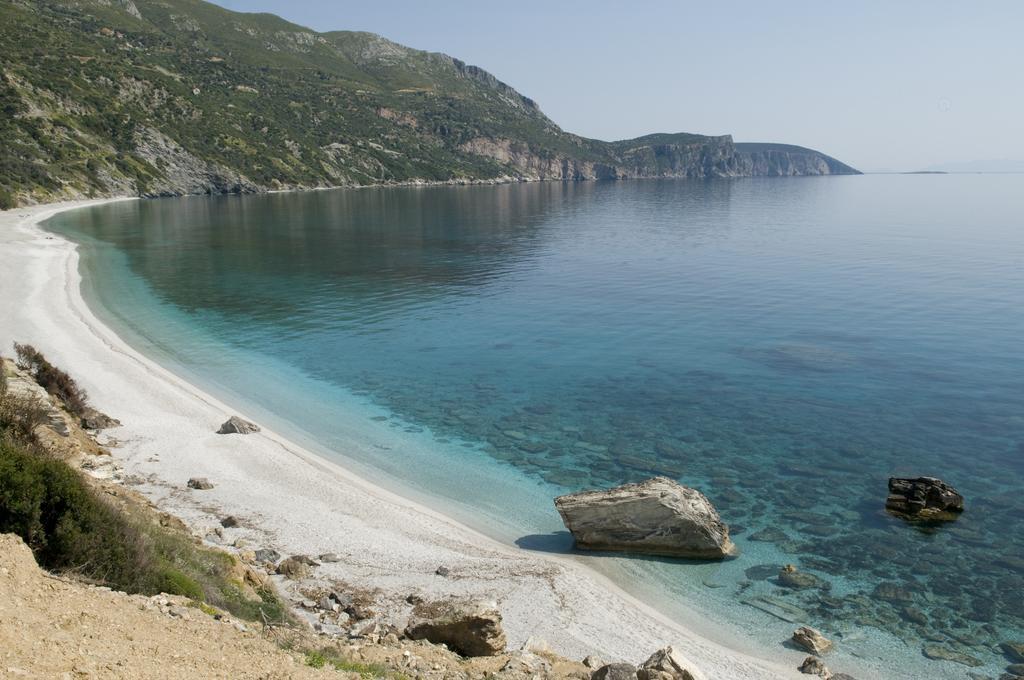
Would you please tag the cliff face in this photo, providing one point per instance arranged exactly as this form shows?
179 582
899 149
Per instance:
695 157
168 97
780 160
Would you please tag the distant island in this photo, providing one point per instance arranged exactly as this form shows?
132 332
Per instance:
174 97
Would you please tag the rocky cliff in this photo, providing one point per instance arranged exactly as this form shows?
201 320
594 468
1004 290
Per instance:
168 97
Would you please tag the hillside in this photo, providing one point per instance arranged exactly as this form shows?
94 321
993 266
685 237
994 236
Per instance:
167 97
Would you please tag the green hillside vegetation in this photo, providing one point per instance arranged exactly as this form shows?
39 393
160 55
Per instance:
155 97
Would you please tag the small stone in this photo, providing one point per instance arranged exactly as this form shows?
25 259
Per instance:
443 571
236 425
812 665
266 555
812 640
329 557
200 483
229 522
615 671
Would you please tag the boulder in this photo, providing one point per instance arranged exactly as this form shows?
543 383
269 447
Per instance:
92 419
812 665
655 517
615 671
468 627
200 483
593 662
923 498
266 555
294 568
236 425
230 522
811 640
668 664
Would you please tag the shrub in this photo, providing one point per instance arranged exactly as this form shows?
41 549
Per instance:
52 379
19 416
7 200
70 528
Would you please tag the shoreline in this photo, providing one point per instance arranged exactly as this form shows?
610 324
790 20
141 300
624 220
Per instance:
302 503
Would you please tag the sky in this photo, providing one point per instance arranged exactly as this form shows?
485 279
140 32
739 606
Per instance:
884 86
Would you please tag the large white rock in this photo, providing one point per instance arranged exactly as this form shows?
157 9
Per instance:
655 517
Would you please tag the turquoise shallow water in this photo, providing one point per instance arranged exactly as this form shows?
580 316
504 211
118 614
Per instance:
782 344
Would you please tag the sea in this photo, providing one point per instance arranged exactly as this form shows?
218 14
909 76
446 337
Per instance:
784 345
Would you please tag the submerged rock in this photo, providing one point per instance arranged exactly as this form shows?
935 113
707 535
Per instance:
668 664
812 640
941 653
655 517
236 425
790 577
468 627
925 498
1014 651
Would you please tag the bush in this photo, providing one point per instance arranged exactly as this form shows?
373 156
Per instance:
71 529
7 200
52 379
19 416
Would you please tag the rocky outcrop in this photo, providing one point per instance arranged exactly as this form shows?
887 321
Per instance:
668 664
95 420
811 640
655 517
923 498
468 627
236 425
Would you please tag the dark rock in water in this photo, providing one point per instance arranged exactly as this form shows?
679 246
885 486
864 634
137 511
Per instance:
468 627
925 498
236 425
95 420
790 577
614 671
1015 669
668 664
200 483
892 592
914 615
812 665
1014 651
655 517
769 535
762 572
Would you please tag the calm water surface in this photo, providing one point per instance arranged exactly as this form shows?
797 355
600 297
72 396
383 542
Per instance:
785 345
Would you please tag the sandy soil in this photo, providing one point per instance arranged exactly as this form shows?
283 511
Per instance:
297 502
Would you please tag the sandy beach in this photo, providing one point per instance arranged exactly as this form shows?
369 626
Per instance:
296 502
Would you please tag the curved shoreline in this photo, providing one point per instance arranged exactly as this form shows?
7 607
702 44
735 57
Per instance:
305 503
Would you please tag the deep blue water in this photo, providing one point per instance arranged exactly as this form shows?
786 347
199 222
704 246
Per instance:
784 345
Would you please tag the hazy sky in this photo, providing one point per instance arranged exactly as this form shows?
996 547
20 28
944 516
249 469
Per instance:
881 85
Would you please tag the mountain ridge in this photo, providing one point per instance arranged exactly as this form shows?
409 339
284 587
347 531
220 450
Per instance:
171 97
